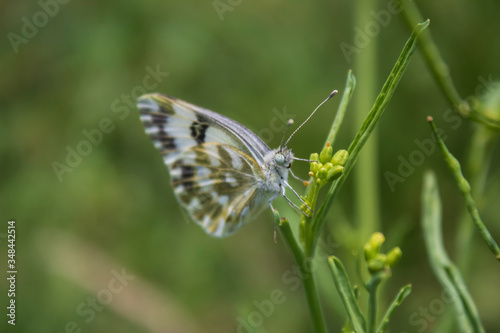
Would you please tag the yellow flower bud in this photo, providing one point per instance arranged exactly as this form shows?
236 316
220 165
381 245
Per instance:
340 157
326 154
315 166
335 172
377 264
322 173
393 256
376 241
369 252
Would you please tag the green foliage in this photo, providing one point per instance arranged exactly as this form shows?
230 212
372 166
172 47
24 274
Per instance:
321 166
73 82
449 276
465 188
357 321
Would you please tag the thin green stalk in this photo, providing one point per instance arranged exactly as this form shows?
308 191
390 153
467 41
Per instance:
366 195
465 189
441 72
480 152
372 287
313 189
350 84
366 129
403 293
307 274
347 295
466 314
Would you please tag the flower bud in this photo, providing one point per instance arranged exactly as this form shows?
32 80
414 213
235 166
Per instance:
377 264
340 157
376 241
335 172
393 256
322 173
315 166
326 154
369 253
314 157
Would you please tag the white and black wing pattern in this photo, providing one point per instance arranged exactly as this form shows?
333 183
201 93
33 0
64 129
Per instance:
214 162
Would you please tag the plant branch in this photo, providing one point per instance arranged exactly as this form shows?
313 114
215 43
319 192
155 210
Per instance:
364 133
306 271
465 189
441 72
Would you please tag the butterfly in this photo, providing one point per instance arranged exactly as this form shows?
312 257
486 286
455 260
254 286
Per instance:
222 173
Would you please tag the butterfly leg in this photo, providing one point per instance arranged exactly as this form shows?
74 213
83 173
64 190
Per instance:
298 196
294 205
271 200
293 175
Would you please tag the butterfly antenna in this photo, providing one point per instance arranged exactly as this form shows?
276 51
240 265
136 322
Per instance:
288 124
326 100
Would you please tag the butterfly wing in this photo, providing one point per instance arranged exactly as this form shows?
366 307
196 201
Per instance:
217 185
187 125
213 161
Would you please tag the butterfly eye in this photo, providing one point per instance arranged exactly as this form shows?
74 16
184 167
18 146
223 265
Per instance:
279 158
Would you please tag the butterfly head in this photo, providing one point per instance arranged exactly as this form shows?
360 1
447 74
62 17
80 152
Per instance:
283 157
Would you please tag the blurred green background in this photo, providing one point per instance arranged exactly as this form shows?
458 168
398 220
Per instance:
113 212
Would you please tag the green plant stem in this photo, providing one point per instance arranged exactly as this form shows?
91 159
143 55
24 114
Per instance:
441 72
478 162
347 295
364 133
307 275
372 287
403 293
466 314
465 189
313 188
366 195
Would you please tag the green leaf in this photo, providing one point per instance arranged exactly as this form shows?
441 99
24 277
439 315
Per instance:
346 292
465 189
403 293
350 84
467 316
366 129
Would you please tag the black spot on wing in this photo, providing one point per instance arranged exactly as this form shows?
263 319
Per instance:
167 141
159 120
187 174
198 129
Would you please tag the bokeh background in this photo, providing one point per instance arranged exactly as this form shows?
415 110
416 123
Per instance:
113 212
